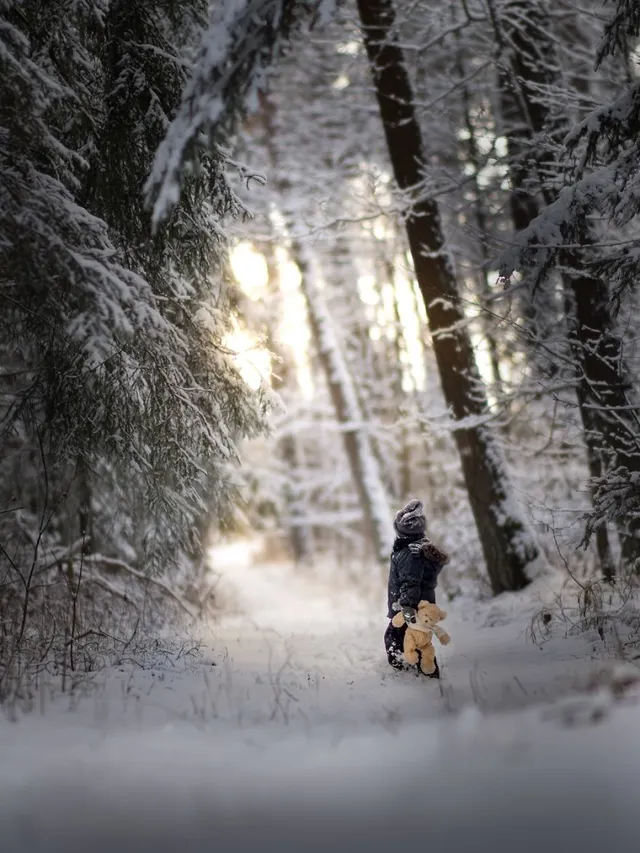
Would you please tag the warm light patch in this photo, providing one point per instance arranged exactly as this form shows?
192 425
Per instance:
380 230
389 303
250 270
349 48
341 82
367 290
410 318
288 271
483 360
252 361
293 331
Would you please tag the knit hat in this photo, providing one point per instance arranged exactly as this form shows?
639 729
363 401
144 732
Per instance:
410 520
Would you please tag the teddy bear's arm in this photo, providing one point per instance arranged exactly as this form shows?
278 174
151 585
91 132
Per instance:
441 634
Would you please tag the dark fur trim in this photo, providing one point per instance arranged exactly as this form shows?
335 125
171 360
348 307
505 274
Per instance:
426 547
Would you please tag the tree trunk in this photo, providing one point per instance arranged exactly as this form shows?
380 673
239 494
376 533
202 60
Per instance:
299 533
482 219
363 463
597 350
508 545
404 439
339 268
85 507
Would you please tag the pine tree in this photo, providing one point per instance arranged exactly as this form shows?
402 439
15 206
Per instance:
119 400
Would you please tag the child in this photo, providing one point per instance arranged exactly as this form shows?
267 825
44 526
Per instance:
413 576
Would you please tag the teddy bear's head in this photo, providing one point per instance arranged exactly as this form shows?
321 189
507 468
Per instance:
429 614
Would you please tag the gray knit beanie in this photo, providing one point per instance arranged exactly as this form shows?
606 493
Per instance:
410 520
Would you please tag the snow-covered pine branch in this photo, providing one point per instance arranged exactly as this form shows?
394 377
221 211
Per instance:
244 40
623 26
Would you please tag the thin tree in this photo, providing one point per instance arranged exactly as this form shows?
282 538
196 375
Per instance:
481 217
300 535
363 462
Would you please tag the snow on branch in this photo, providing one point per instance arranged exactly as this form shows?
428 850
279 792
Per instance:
623 27
602 151
612 190
608 127
243 42
115 565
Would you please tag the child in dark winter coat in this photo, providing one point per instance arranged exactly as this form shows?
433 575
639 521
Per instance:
413 576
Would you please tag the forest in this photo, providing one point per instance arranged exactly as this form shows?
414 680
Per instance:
271 268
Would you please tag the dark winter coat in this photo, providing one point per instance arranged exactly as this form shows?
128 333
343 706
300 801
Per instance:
413 573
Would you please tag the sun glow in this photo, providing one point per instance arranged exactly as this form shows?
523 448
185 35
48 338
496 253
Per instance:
293 331
250 270
367 290
341 82
392 308
408 304
252 360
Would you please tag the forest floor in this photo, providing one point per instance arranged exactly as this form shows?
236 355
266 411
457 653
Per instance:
291 732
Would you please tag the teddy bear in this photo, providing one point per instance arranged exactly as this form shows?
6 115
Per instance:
418 647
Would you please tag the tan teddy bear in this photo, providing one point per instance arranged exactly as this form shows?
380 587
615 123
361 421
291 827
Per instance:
418 647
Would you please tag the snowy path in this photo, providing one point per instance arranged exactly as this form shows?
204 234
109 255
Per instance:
293 735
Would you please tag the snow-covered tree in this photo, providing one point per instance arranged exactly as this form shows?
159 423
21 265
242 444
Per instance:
597 265
119 399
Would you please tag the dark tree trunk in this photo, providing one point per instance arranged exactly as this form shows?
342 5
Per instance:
600 388
85 510
604 401
507 544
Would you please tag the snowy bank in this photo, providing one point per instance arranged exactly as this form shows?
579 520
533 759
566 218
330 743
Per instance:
292 734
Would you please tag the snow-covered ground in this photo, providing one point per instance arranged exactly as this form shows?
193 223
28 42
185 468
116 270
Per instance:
291 733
